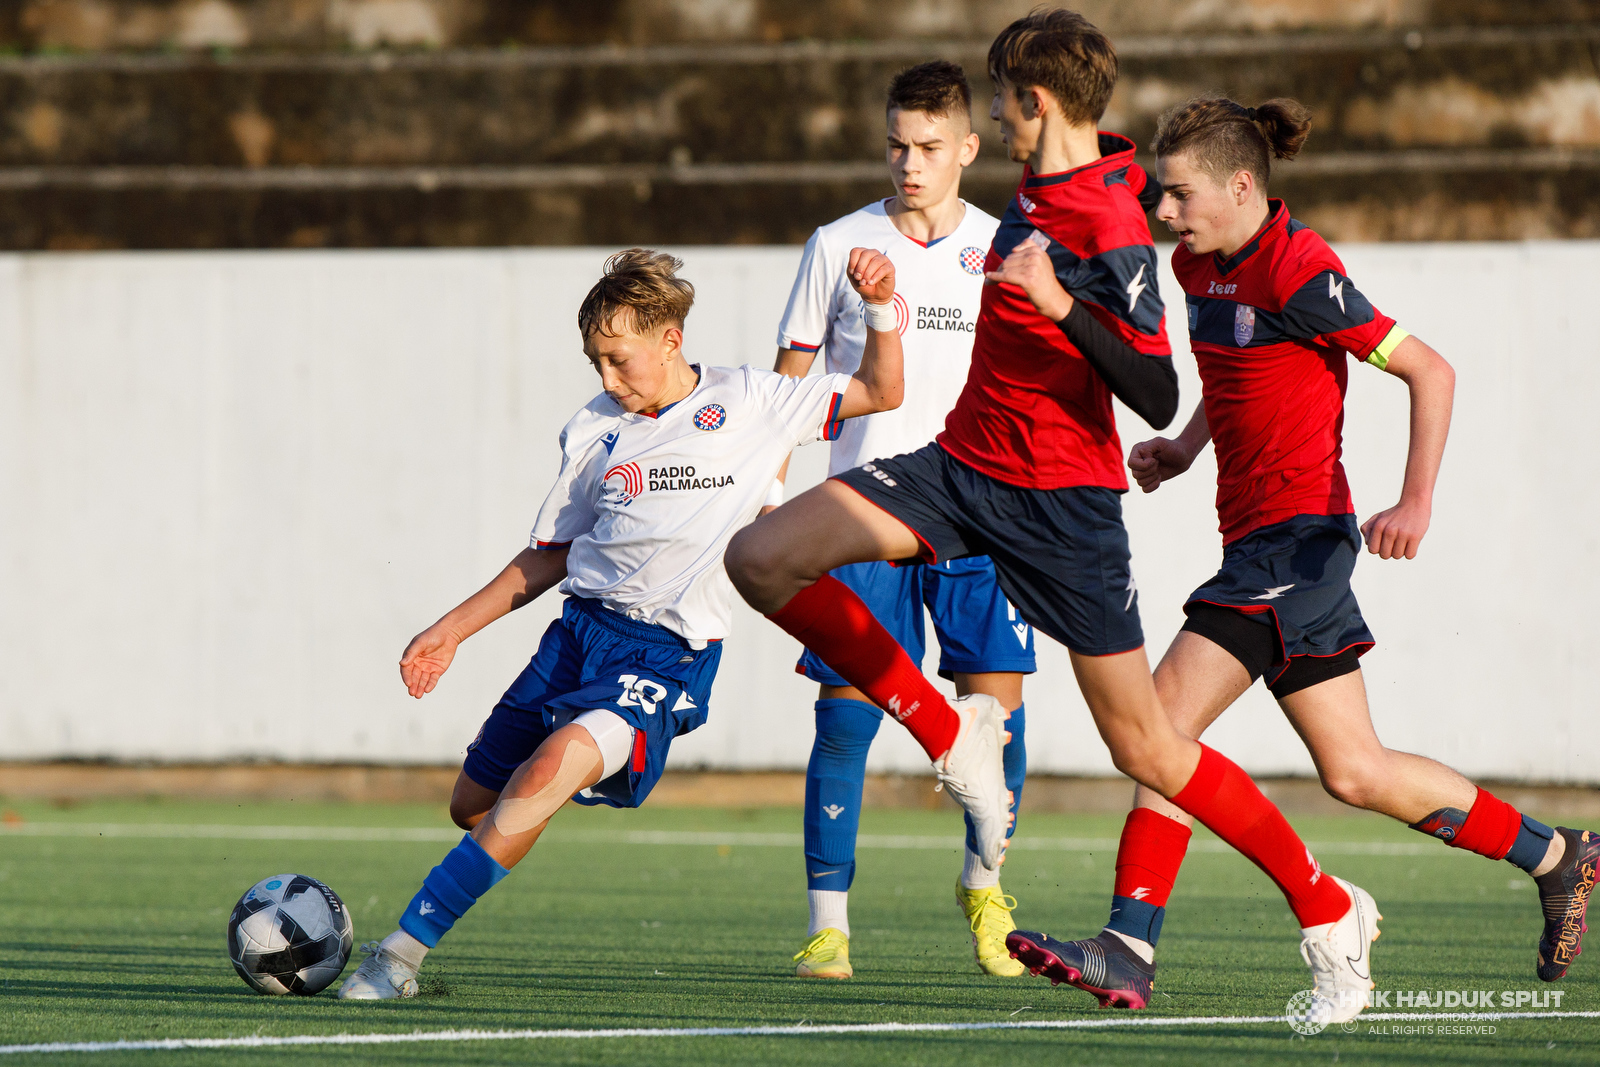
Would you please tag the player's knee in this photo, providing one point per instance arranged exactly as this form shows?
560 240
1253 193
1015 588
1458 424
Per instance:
462 817
1352 784
747 560
470 802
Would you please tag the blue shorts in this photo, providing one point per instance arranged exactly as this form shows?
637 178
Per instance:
1060 555
1295 576
979 631
592 658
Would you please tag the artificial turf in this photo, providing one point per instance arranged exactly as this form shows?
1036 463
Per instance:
107 938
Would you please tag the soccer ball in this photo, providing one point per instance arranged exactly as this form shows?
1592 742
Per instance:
289 934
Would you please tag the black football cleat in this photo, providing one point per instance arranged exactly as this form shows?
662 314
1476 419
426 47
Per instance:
1564 896
1102 965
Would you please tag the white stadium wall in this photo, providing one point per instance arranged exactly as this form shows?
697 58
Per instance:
234 484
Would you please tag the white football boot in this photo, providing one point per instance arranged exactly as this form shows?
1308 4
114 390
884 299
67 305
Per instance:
381 976
1340 957
974 772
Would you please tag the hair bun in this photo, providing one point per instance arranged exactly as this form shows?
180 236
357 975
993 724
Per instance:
1251 114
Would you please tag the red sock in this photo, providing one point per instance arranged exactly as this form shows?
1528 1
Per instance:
830 620
1491 827
1149 855
1224 798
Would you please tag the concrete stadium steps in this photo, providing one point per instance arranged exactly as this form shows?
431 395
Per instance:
190 210
321 25
1423 130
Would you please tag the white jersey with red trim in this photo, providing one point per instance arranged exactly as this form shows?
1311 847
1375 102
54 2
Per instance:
938 289
648 503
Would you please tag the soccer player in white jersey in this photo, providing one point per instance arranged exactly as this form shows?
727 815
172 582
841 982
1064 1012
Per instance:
657 473
937 243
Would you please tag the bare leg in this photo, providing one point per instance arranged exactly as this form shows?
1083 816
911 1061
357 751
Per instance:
1144 743
1334 721
541 768
470 802
781 553
1196 681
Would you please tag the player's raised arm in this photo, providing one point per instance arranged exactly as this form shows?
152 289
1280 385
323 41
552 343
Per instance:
1397 533
1161 459
428 655
879 383
1148 384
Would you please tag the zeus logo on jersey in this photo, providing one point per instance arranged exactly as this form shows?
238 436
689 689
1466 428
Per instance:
672 479
1222 288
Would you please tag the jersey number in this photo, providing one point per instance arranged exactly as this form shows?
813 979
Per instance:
640 692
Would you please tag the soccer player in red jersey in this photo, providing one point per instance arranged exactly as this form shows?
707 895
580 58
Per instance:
1028 472
1271 316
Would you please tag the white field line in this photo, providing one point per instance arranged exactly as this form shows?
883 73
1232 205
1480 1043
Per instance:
646 837
175 1043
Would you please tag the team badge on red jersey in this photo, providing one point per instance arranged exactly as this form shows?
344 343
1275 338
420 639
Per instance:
710 417
1244 324
972 259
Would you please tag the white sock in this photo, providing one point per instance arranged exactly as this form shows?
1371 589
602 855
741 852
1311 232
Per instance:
829 907
974 875
405 948
1143 949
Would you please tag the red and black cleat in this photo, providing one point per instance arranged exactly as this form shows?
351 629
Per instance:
1564 896
1102 965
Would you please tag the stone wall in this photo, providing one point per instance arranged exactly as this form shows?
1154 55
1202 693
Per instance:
267 123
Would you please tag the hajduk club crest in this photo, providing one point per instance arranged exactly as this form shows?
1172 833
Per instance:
972 259
1244 324
710 417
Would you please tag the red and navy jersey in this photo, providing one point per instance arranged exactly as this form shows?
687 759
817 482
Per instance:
1269 327
1034 413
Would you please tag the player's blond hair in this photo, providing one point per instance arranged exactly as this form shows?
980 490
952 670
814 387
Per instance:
645 284
1224 137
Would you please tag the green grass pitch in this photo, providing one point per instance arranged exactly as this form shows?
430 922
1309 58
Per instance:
107 938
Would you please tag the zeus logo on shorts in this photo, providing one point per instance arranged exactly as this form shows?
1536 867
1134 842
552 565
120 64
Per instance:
872 469
640 692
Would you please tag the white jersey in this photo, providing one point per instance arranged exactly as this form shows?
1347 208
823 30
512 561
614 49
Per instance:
937 292
649 503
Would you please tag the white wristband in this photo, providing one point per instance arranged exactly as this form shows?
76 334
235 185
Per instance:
880 316
774 495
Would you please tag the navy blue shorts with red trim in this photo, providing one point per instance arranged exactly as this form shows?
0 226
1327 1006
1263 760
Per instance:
593 658
1295 577
1061 555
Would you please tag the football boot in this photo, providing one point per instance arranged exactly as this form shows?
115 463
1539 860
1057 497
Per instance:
973 772
826 955
1564 897
1102 965
988 913
381 976
1340 957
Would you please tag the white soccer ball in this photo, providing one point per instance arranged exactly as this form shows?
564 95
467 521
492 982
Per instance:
289 934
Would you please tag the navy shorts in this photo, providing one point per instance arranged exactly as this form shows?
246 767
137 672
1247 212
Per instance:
979 631
1060 555
1295 577
593 658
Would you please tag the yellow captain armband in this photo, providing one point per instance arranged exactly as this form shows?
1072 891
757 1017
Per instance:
1380 355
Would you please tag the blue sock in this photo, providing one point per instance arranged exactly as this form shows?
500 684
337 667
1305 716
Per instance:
1136 918
1533 840
834 780
466 873
1016 764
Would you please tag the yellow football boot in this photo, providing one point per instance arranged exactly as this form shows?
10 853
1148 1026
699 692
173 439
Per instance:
827 955
988 913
